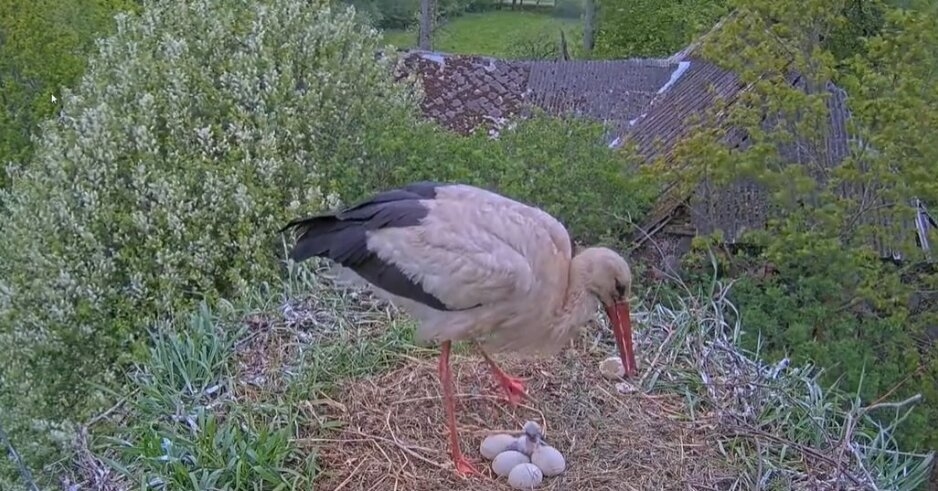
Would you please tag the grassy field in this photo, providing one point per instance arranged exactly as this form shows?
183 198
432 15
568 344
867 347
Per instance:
493 33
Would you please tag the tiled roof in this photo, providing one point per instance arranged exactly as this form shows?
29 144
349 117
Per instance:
670 116
464 92
610 90
651 103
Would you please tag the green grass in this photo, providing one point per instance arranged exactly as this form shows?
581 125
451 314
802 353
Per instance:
498 33
230 396
224 393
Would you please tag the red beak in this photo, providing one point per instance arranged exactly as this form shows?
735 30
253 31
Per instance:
622 330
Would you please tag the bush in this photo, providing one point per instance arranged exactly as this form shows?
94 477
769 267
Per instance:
404 14
560 165
43 48
650 28
841 309
545 43
198 129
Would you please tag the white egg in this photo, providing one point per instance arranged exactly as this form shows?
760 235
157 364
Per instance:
507 460
525 476
612 368
495 444
549 460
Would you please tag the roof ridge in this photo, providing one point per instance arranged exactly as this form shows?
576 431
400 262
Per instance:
692 47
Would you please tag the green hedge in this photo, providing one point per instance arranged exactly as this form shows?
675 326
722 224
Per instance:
652 28
198 129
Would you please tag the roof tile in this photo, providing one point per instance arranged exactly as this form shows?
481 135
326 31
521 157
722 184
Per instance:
612 90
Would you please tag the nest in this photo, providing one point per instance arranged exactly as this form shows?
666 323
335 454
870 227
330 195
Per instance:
395 436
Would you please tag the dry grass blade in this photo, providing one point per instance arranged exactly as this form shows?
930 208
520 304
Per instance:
91 471
780 426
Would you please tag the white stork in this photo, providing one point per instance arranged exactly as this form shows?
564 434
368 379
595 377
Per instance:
470 264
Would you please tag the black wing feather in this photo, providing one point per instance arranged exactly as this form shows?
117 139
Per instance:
342 237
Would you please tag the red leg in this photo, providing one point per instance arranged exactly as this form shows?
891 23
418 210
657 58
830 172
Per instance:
463 467
514 387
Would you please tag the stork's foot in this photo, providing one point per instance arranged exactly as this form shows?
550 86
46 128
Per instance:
514 388
465 468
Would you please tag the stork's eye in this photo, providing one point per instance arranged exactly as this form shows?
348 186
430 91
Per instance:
620 289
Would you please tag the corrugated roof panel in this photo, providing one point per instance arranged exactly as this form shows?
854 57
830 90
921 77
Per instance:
611 90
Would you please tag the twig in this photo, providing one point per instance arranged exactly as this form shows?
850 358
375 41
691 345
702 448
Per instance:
350 476
15 457
751 432
895 405
401 446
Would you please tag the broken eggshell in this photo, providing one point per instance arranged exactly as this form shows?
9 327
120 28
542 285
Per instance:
525 476
496 444
612 368
508 460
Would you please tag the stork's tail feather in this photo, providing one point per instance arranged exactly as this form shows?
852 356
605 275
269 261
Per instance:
341 236
317 235
302 223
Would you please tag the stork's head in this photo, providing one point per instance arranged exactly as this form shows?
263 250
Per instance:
532 431
610 276
610 280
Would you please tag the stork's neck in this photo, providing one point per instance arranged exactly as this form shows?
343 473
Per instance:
580 304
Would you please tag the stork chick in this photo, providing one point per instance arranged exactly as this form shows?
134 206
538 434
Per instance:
529 439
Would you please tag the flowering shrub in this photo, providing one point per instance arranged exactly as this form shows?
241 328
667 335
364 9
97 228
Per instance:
198 129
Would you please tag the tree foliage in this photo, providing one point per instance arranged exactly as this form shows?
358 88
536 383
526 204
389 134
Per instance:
43 45
834 300
651 28
569 154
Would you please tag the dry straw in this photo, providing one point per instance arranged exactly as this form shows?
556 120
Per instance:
704 414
